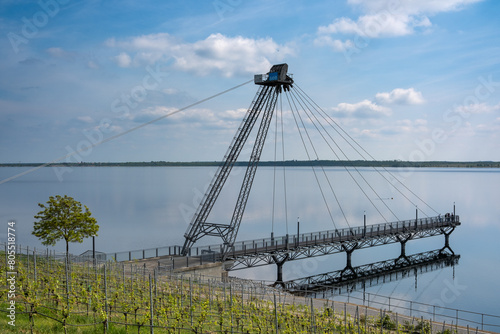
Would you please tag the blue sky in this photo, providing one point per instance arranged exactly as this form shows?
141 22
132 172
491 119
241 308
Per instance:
409 80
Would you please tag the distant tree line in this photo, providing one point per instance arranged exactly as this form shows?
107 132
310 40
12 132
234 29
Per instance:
289 163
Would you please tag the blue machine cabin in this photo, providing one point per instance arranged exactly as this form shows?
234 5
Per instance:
276 76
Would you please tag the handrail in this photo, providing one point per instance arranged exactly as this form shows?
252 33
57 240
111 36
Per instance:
306 239
339 235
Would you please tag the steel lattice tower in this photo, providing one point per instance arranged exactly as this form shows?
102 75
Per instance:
271 85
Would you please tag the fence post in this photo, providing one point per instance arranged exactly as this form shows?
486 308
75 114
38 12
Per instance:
106 296
381 323
67 286
28 256
34 263
191 301
6 262
231 303
151 305
366 317
242 297
313 320
275 314
357 317
345 318
156 285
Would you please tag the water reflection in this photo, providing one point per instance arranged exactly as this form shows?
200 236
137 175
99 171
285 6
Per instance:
370 275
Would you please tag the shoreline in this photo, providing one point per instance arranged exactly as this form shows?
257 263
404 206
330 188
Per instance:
289 163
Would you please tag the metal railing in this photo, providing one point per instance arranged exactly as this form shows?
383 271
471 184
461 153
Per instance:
323 237
212 252
144 253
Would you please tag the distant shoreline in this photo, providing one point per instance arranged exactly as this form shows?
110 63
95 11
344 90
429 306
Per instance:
290 163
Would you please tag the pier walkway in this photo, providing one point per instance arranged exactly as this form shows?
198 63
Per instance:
278 250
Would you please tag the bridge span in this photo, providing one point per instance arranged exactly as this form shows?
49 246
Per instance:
279 250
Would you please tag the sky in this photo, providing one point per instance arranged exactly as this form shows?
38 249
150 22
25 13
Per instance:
407 79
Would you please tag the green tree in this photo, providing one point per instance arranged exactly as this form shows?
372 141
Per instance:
63 218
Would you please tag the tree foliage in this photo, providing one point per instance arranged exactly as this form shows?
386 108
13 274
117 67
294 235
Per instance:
64 219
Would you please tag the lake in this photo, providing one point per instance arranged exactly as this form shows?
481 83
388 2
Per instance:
147 207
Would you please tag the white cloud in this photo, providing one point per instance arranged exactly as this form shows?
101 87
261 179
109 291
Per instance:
336 44
92 64
201 118
400 128
476 108
59 53
363 109
411 126
236 114
216 53
379 107
400 96
413 6
151 113
171 91
85 119
123 60
109 128
384 18
373 25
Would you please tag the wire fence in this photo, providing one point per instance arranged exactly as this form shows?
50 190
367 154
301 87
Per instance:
108 295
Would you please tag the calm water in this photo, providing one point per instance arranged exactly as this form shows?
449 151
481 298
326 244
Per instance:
151 207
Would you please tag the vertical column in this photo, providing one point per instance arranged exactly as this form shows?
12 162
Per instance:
447 241
279 264
348 268
403 239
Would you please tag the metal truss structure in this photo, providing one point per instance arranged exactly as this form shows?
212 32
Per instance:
371 274
330 242
271 85
279 250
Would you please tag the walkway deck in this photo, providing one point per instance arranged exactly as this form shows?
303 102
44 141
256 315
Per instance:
254 253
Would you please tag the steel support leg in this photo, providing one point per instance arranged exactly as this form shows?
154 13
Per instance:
279 264
447 241
402 241
348 268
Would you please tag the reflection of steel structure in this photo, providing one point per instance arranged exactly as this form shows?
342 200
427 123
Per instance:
371 274
272 84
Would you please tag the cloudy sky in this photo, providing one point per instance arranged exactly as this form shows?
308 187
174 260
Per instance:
407 79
